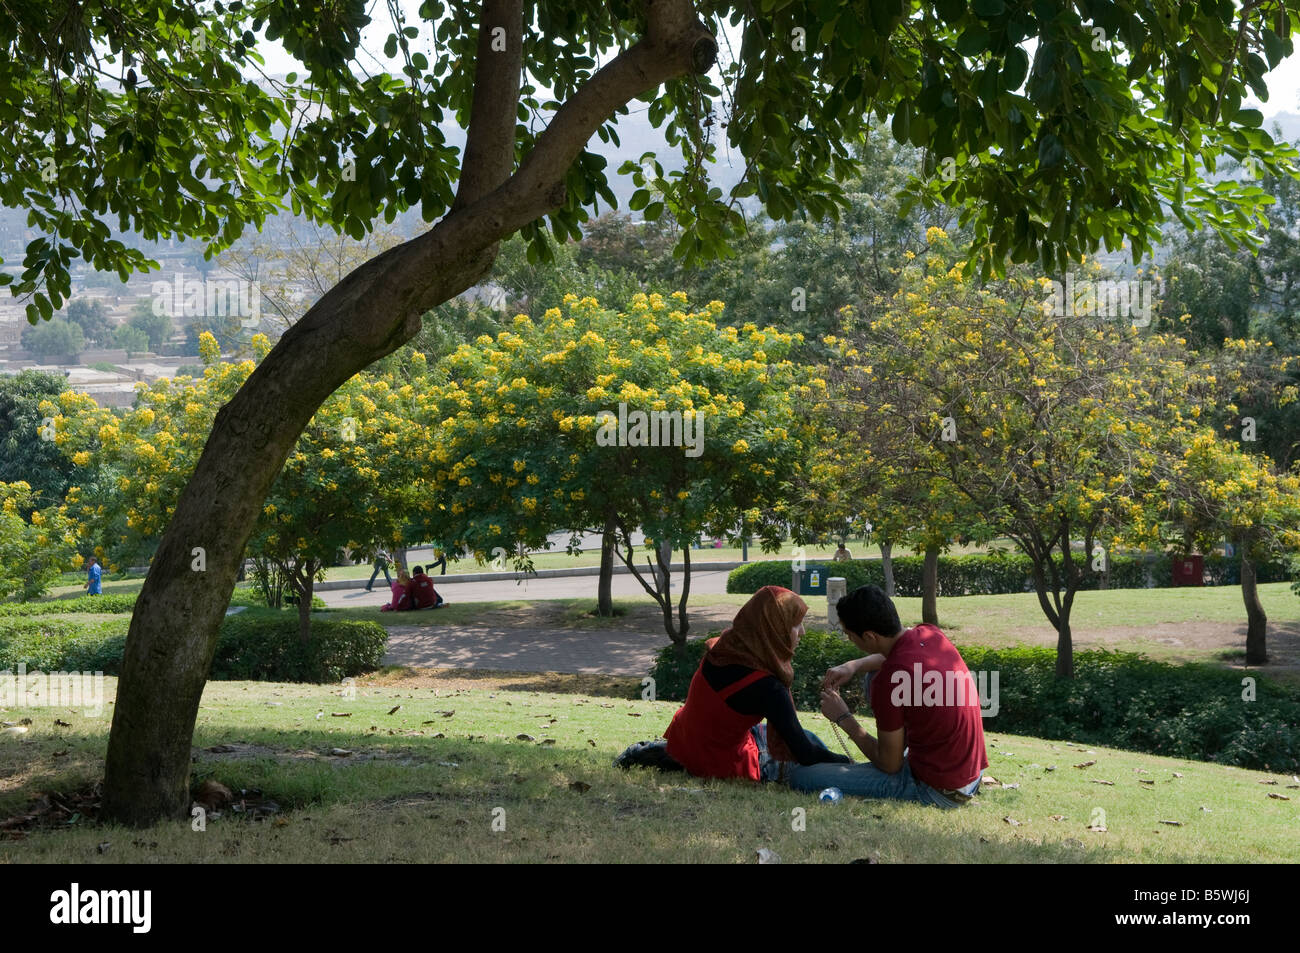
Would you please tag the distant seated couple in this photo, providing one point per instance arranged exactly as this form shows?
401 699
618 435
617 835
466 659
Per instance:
413 592
930 753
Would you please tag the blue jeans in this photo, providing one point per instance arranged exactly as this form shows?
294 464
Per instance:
866 780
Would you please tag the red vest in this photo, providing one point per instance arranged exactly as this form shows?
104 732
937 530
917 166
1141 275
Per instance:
711 739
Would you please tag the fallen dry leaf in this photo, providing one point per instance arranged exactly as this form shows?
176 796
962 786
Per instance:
60 723
340 752
394 710
1086 764
523 737
340 714
1100 781
1012 821
1278 797
1173 823
1057 817
582 787
1266 781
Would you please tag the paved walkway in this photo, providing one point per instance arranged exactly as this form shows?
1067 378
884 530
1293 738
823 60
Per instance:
521 649
584 651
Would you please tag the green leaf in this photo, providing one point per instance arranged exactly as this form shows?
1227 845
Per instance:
1050 151
988 9
902 122
974 41
1015 69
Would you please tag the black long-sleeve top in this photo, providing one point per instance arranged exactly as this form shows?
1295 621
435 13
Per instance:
769 698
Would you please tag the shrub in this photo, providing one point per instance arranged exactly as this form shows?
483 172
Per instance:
263 645
53 645
111 602
1000 572
255 644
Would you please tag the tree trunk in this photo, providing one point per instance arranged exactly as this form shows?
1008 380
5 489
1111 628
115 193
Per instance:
1064 647
605 588
368 315
930 586
1256 620
886 549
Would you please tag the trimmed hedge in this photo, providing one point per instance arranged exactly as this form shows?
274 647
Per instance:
109 602
124 603
998 572
264 646
1118 699
256 645
58 645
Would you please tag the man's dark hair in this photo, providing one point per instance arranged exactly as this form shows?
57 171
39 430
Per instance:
417 571
868 609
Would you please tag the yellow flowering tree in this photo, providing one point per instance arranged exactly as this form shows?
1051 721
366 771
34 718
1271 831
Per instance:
1049 425
588 419
352 481
1213 490
36 545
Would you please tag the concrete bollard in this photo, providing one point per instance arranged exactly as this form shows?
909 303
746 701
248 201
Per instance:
837 587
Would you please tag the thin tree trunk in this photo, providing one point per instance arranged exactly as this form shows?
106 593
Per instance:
1256 620
930 586
887 560
368 315
605 588
307 585
1064 647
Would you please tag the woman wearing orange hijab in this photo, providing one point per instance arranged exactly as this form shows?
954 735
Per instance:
745 677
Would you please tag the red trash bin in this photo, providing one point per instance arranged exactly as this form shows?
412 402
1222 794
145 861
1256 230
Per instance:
1189 571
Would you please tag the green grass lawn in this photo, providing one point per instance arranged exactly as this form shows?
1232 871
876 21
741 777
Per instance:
425 783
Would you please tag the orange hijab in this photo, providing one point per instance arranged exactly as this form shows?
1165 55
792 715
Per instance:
760 638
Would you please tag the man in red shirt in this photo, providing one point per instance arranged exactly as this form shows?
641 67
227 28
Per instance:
423 595
927 708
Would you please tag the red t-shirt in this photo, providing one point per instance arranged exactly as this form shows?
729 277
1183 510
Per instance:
926 688
422 592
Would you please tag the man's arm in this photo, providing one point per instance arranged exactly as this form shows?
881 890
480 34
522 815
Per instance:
886 753
840 674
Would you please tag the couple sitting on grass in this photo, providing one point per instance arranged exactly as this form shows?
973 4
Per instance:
929 749
415 592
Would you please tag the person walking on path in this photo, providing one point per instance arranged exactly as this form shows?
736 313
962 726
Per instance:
381 565
93 576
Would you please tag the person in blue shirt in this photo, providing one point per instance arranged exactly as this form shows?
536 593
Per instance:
93 575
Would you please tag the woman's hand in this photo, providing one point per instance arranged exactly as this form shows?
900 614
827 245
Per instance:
833 705
839 675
